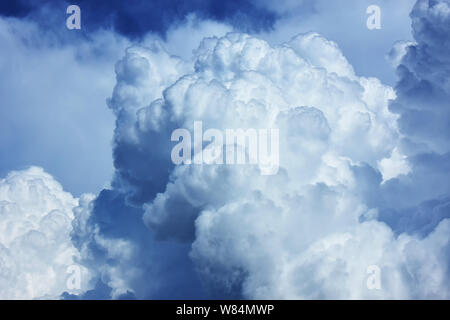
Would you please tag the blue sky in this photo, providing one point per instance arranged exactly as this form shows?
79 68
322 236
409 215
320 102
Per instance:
364 120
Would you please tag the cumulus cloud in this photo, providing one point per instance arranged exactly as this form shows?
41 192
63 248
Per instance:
363 178
36 251
311 231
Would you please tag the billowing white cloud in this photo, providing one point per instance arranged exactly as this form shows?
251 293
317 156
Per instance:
310 231
362 183
37 257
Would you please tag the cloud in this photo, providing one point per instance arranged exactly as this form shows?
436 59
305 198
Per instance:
124 258
268 252
344 22
182 39
136 18
424 87
363 177
311 231
35 244
419 200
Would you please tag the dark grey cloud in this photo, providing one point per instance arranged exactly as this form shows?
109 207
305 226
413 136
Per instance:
417 202
135 18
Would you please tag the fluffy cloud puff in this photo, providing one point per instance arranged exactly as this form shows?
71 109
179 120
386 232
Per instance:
341 201
35 244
